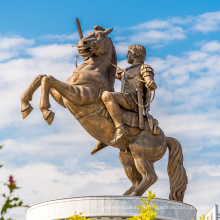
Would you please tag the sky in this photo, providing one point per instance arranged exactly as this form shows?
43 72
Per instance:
182 39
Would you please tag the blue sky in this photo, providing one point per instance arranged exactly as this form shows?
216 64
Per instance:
182 39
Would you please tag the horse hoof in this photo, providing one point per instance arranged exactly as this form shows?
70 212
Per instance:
130 190
133 194
50 117
26 111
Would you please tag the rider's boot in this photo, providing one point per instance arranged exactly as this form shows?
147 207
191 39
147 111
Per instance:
99 146
120 132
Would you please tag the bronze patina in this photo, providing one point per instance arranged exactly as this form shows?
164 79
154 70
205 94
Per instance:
114 118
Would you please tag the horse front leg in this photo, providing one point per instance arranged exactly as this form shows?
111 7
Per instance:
26 97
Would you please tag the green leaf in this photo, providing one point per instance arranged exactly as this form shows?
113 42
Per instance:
77 217
202 217
150 196
148 211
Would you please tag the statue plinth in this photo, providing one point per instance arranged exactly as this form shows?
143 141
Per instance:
107 207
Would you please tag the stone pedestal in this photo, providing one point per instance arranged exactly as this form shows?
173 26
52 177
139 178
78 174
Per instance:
107 207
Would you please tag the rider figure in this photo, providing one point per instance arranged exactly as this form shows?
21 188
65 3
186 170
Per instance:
131 79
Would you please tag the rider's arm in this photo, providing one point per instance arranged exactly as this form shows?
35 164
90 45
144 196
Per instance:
147 73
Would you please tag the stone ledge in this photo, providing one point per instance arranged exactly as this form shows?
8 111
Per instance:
107 207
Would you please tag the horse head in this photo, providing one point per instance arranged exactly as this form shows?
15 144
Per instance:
96 43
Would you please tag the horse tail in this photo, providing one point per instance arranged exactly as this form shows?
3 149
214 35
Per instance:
176 171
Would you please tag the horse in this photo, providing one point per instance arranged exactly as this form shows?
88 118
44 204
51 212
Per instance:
81 93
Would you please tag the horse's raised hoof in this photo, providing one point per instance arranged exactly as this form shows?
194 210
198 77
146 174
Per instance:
49 118
133 194
26 111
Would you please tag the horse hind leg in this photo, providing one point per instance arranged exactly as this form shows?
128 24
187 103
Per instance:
26 97
49 85
129 167
146 169
48 114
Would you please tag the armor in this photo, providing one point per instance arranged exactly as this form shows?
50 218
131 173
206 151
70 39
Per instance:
146 71
130 82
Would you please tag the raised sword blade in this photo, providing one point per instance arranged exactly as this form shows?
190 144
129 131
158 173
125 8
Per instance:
79 28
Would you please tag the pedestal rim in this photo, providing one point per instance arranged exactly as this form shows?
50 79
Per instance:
106 197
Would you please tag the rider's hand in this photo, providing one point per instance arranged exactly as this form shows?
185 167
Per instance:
119 71
151 85
118 74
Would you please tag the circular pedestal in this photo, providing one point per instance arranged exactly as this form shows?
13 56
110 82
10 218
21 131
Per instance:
107 207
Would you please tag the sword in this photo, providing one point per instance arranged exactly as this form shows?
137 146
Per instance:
79 28
140 108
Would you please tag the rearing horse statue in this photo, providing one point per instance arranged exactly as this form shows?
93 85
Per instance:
80 94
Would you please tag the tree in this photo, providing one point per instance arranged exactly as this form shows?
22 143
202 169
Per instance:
148 210
77 217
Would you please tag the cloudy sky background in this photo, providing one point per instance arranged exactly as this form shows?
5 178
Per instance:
52 162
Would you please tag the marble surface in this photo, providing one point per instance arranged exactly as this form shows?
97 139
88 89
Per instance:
107 207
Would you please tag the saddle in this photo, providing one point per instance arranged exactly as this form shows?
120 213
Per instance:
130 118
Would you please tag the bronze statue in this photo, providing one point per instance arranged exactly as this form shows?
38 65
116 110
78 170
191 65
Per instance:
88 93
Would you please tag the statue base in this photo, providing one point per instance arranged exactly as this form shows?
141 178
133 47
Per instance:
107 207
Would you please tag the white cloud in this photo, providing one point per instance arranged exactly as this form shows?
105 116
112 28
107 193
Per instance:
4 55
154 24
207 22
212 170
181 21
119 38
62 37
157 31
121 48
54 51
160 31
14 42
190 81
11 46
213 46
155 36
192 126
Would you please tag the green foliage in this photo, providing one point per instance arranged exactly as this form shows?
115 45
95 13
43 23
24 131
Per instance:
77 217
202 217
10 200
148 210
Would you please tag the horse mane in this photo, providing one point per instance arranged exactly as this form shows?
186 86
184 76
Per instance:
112 69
